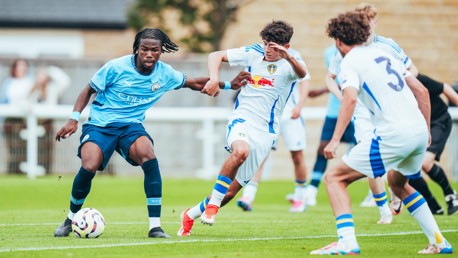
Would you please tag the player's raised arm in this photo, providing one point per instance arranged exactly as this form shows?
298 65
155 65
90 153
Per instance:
214 63
72 125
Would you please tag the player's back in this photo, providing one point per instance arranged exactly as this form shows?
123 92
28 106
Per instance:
382 89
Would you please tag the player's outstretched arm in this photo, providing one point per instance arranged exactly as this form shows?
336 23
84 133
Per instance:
235 84
72 125
214 63
330 81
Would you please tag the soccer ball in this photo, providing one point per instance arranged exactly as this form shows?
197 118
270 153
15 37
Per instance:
88 223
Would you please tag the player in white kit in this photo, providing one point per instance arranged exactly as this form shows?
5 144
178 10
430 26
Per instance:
396 100
253 125
292 129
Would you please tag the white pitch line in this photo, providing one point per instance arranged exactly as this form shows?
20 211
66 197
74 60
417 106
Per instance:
31 249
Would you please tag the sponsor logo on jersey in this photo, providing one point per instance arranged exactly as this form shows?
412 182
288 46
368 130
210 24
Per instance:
258 81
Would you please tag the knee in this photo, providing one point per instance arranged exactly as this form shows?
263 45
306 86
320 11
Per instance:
329 179
90 166
240 154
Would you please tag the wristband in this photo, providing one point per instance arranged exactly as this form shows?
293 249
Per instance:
227 85
75 116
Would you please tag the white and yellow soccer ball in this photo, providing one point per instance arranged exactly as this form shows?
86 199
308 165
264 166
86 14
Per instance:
88 223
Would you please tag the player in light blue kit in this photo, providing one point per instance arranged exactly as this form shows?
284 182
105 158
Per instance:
125 88
396 100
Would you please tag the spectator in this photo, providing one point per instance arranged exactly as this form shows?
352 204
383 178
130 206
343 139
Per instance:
14 91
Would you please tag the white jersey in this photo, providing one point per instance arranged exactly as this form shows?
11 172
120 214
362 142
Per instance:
261 102
383 90
361 114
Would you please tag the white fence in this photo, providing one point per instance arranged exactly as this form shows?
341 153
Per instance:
207 134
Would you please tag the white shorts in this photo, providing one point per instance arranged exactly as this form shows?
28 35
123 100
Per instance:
374 157
293 132
260 145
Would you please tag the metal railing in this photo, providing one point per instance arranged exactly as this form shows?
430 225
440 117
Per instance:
208 132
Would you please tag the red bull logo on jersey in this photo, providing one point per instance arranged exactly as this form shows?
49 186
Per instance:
258 81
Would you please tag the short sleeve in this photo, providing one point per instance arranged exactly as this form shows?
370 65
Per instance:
103 77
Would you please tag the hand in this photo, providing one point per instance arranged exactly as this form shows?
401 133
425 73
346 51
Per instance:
211 88
281 50
296 112
240 80
330 149
67 130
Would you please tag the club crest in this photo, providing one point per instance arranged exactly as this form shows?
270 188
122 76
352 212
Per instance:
155 86
272 68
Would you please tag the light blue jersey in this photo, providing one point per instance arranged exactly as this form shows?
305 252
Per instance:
333 106
123 94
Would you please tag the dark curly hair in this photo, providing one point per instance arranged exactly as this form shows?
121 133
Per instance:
279 32
167 45
352 28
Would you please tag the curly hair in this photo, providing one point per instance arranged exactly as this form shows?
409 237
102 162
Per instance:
352 28
368 9
167 45
279 32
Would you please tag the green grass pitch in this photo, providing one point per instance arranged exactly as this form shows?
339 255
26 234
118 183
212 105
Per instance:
31 209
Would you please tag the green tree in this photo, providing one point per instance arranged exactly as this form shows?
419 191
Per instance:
205 21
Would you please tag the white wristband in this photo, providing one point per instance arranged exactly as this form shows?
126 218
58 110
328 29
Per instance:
75 116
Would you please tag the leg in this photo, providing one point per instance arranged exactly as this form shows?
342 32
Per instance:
420 185
318 170
142 152
300 174
377 186
249 191
437 174
240 152
418 208
188 216
336 182
91 158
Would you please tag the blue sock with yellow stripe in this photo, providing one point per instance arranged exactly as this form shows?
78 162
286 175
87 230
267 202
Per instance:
219 190
153 191
346 229
197 210
418 208
381 200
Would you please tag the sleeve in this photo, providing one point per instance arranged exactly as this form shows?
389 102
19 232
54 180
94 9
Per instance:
348 76
243 56
103 77
395 50
175 79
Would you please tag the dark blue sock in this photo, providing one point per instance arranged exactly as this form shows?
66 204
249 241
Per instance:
318 170
153 187
81 188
